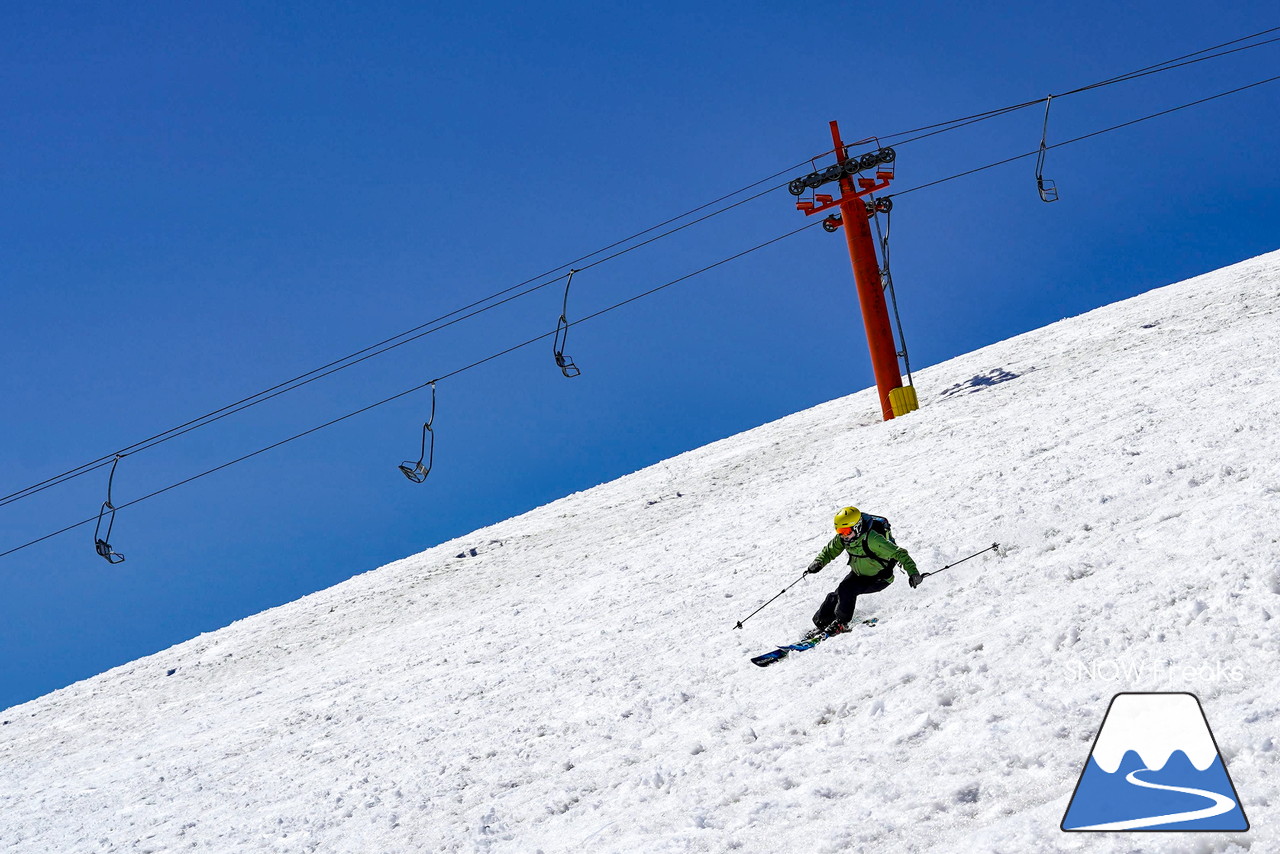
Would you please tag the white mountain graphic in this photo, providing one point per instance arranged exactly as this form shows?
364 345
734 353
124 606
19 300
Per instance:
1154 726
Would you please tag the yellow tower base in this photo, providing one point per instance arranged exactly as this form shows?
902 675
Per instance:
903 400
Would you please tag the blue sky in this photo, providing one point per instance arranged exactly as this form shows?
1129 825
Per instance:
204 200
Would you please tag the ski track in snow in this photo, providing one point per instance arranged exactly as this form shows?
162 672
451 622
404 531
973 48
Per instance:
577 683
1221 804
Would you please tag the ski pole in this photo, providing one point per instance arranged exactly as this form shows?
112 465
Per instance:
962 560
762 607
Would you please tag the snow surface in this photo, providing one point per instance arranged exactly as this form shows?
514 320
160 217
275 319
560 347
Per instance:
577 684
1154 726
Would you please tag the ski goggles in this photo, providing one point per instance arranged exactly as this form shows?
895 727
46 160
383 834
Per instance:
844 532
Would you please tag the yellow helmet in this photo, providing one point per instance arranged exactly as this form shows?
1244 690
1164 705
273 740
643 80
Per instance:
849 517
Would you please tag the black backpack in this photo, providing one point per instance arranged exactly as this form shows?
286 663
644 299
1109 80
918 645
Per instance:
881 526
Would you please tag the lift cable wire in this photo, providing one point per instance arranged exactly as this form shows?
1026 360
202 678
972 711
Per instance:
1085 136
1167 65
626 302
410 335
416 388
1181 61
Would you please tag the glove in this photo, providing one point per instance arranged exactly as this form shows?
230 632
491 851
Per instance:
915 580
814 567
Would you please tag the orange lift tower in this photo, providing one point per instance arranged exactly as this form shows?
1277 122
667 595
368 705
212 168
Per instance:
895 398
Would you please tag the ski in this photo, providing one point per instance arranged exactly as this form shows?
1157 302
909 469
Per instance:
776 655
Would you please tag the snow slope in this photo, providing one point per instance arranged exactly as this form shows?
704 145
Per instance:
577 683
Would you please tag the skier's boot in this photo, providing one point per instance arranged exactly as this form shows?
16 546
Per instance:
836 628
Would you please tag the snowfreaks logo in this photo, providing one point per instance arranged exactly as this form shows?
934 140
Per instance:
1155 766
1139 669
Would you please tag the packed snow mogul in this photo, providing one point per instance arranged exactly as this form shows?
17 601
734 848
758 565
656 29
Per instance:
867 540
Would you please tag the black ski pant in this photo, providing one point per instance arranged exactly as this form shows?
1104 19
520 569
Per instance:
840 602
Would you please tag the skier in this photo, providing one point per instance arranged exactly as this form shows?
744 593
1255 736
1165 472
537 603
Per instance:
872 556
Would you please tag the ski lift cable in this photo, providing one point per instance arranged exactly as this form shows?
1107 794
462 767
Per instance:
1085 136
351 359
639 296
628 301
416 388
389 344
1181 61
1167 65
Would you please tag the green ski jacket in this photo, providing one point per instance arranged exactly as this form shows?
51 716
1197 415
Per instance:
861 563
